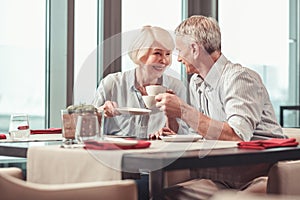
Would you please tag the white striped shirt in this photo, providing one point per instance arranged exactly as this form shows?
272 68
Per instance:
236 95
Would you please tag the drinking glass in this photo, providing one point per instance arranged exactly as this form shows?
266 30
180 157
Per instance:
142 127
100 116
19 127
68 127
87 127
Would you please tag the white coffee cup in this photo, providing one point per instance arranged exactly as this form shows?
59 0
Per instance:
153 90
149 101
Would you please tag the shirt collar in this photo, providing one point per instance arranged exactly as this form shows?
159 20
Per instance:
215 73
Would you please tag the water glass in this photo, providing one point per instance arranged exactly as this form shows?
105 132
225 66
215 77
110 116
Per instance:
142 127
68 127
100 116
87 127
19 127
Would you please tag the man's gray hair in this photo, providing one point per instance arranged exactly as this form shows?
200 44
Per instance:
201 29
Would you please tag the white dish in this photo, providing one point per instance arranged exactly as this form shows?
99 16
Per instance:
133 111
181 138
121 141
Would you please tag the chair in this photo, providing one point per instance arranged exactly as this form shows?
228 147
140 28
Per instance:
292 133
13 187
282 109
284 178
234 195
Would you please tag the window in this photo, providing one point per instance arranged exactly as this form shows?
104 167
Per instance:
22 61
255 34
85 50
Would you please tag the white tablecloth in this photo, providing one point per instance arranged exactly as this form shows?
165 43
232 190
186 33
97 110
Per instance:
36 138
55 165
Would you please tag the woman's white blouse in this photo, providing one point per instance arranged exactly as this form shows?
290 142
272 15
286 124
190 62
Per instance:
119 87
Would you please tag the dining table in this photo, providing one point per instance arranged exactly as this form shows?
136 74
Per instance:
211 154
18 148
54 163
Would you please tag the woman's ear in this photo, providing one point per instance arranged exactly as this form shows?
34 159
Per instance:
145 56
143 60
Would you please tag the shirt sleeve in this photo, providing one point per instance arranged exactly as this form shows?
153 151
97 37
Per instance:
181 92
103 91
243 102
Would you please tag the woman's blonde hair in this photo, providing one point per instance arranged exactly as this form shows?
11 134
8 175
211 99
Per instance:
204 30
146 39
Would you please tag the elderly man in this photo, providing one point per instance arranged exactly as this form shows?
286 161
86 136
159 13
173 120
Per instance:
230 103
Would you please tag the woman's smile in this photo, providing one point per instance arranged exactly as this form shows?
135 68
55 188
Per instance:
159 68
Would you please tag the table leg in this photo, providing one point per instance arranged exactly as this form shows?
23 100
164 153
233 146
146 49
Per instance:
156 184
128 175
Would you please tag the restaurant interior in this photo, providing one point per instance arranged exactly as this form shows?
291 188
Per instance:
55 53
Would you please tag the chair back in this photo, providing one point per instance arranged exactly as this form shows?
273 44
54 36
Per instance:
13 188
292 133
296 115
284 178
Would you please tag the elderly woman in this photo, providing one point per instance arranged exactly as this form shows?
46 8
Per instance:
151 52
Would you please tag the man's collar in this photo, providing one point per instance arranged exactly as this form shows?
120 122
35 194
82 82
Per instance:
215 73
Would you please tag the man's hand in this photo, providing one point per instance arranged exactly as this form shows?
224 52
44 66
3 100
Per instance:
170 104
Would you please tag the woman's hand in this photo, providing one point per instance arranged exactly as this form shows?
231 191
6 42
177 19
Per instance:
109 109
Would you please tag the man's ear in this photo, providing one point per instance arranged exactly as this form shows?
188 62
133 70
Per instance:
195 49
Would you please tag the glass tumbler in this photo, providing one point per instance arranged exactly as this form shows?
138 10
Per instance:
68 127
87 127
19 127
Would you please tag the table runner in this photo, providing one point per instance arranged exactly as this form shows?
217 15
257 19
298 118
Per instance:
55 165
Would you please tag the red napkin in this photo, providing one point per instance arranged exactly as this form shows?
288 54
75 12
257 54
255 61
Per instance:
2 136
46 131
270 143
95 145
